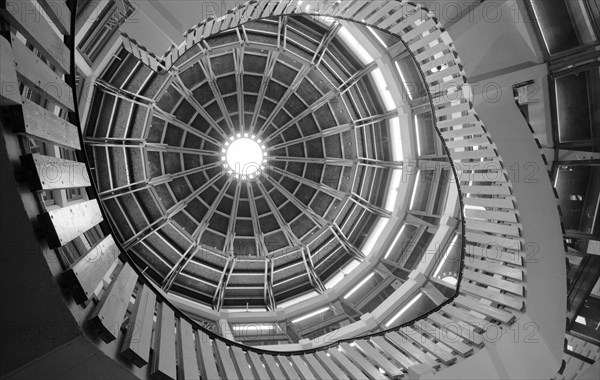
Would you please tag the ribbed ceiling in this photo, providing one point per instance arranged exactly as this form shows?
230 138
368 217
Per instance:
221 240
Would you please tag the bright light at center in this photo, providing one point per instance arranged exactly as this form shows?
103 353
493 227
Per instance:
244 156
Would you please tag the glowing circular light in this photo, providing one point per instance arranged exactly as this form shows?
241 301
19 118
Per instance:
244 156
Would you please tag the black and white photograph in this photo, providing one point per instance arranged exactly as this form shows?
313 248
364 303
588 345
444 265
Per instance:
299 189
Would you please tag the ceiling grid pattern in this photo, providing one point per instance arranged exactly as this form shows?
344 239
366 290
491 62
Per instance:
295 84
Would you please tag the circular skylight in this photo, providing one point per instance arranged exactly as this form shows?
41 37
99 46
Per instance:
244 156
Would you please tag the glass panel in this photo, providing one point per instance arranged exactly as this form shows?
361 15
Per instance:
446 180
564 24
448 267
426 137
578 188
423 188
411 78
384 38
411 261
421 306
397 250
577 113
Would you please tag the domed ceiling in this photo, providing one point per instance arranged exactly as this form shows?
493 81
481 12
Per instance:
233 239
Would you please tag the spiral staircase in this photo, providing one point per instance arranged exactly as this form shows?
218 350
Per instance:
80 302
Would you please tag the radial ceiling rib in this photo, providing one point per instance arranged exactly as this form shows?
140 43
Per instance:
316 218
349 247
238 56
368 206
316 160
380 164
114 142
185 91
339 129
291 238
229 240
319 220
259 237
325 41
269 294
308 182
344 162
206 66
323 100
150 182
205 222
282 35
302 74
108 88
313 277
182 204
142 234
154 181
219 296
272 58
170 118
154 147
298 78
308 265
338 194
125 190
150 147
178 267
